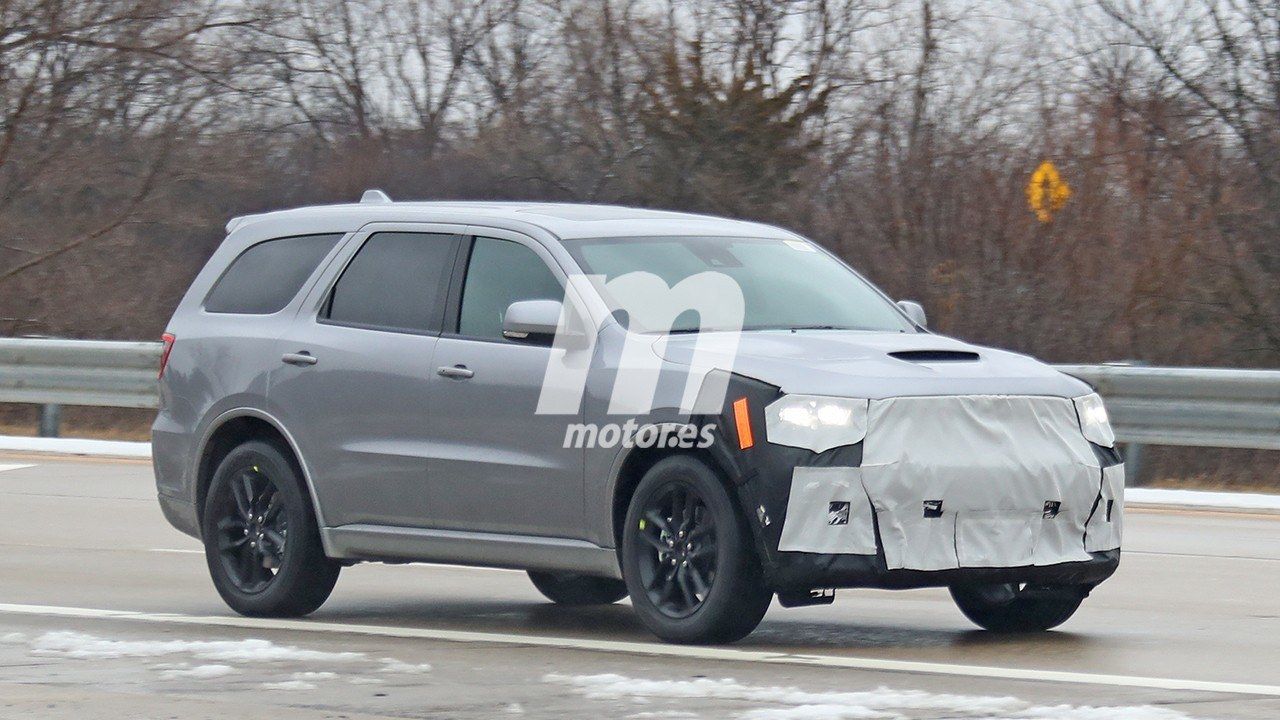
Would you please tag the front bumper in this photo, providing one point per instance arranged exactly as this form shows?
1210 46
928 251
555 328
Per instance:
972 512
805 571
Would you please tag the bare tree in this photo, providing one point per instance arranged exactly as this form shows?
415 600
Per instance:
136 74
1219 62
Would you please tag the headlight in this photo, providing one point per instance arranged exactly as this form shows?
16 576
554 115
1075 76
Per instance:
815 422
1094 422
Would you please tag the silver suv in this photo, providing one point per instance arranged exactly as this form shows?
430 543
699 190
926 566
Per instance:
695 412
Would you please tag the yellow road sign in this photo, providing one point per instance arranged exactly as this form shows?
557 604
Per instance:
1047 192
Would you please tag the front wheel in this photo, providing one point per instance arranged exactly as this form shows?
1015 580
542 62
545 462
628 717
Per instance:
1018 608
687 557
261 540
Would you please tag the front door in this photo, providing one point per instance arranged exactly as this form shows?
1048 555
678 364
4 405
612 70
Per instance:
499 467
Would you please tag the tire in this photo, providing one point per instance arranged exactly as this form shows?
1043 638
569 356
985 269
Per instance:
262 544
1018 609
709 591
573 589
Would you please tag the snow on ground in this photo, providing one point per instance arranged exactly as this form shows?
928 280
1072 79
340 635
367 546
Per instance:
312 675
221 658
789 703
288 685
79 645
392 665
199 672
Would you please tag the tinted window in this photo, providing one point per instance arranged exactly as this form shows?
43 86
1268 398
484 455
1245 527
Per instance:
397 281
267 276
499 273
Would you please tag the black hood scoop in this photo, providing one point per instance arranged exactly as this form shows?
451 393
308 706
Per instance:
935 355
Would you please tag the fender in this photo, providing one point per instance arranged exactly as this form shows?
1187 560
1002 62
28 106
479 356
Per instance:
240 412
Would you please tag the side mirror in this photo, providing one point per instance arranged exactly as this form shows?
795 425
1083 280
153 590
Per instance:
915 311
531 320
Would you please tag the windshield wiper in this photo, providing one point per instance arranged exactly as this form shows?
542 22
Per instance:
696 330
794 328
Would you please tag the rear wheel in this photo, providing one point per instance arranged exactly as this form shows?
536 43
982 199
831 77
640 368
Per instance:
687 557
573 589
261 540
1018 608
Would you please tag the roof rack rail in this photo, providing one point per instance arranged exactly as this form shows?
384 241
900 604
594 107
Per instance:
374 197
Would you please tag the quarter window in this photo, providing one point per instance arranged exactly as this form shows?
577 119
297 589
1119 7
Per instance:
499 273
397 281
264 278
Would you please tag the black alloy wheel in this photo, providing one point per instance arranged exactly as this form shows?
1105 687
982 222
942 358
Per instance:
253 531
688 557
262 542
681 567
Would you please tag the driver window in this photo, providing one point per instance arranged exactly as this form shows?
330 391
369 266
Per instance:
499 273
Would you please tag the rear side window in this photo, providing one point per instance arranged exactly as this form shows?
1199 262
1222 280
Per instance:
264 278
397 281
499 273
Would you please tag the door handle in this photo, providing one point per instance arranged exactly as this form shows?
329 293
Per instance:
459 372
300 358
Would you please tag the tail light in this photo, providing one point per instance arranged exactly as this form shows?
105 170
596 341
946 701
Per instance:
168 339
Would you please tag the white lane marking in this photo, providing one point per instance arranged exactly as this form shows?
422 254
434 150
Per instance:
658 649
15 467
1156 553
175 550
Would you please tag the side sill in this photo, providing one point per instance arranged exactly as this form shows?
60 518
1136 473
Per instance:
459 547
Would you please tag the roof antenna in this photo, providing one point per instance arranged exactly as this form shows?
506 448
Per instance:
374 197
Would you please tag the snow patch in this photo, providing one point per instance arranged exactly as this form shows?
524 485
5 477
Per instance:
308 676
13 638
288 685
392 665
79 645
362 680
1201 498
790 703
199 672
76 446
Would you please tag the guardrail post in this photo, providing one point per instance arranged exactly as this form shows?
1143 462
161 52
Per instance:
50 419
1133 453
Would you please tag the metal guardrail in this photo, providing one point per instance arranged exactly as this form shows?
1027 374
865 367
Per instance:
53 373
1198 407
1148 405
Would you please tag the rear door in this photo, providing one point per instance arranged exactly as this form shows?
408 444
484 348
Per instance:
499 467
354 380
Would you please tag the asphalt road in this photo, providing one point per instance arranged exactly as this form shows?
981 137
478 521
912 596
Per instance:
107 612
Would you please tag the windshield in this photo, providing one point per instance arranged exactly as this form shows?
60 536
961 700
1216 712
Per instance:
786 284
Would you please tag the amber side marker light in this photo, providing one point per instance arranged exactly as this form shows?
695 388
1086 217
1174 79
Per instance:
743 421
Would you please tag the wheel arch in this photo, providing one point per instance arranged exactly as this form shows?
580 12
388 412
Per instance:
632 465
233 428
